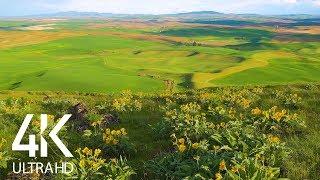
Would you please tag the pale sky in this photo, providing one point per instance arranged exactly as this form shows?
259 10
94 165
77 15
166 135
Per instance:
29 7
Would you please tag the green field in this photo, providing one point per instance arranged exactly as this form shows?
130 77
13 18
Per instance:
111 59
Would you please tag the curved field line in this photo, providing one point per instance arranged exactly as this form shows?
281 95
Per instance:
163 38
202 80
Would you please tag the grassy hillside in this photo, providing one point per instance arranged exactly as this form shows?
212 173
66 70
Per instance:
283 143
98 56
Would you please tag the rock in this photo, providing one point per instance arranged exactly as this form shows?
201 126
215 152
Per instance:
82 127
78 112
78 118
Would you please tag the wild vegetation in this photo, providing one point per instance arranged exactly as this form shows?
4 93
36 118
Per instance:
220 133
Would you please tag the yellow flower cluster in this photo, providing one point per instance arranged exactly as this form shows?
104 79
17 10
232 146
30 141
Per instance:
256 111
245 103
222 165
50 117
257 90
119 104
191 108
274 139
126 102
36 123
206 96
279 115
232 112
234 169
89 159
96 123
113 137
86 151
181 145
218 176
197 158
195 145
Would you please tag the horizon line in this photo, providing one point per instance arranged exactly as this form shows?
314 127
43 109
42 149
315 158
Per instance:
158 14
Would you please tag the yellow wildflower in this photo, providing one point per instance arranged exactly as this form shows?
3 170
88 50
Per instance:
222 165
279 115
107 131
36 123
50 117
182 148
218 176
101 161
95 165
123 131
256 111
223 125
274 128
181 141
118 132
113 132
274 139
197 158
97 152
195 145
87 151
234 169
114 136
96 123
245 103
82 163
258 156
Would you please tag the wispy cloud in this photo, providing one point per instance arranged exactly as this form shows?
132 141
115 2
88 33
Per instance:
317 2
162 6
170 6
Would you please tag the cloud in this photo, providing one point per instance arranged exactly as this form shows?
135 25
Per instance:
290 1
170 6
316 2
131 6
161 6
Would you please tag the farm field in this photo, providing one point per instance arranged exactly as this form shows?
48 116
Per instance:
98 56
183 96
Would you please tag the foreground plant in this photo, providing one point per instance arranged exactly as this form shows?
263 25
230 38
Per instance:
231 141
91 165
4 155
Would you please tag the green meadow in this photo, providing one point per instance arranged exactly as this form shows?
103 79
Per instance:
111 59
